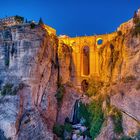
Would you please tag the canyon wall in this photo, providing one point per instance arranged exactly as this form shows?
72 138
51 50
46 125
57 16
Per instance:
36 66
28 82
115 63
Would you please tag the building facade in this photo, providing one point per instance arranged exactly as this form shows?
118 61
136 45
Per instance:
11 21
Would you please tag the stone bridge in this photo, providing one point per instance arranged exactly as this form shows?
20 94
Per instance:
85 54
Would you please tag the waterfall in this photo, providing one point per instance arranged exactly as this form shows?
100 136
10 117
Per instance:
75 115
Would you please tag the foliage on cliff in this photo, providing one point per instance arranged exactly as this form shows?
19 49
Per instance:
136 21
94 87
116 116
93 116
11 89
60 92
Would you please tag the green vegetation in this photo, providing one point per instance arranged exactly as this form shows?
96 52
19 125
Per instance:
93 116
60 92
94 87
136 30
40 22
136 21
8 90
58 130
116 116
32 25
68 127
83 113
135 18
7 55
59 95
19 19
97 118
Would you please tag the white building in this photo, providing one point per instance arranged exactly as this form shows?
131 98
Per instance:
10 21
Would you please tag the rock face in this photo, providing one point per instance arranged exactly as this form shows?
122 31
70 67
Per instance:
66 73
32 63
124 79
29 75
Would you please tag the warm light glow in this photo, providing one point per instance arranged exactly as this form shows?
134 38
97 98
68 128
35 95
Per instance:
99 42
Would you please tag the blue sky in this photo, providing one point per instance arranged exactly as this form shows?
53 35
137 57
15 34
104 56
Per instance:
74 17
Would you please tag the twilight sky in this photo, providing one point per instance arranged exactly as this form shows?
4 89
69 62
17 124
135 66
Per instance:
74 17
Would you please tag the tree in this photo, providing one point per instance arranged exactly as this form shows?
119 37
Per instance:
41 22
135 18
26 21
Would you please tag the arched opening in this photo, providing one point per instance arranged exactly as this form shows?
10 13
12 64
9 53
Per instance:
84 85
86 61
99 41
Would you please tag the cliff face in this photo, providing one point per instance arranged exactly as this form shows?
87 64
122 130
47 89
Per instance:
122 84
37 71
28 77
119 63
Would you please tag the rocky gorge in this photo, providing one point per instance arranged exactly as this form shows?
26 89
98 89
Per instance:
39 100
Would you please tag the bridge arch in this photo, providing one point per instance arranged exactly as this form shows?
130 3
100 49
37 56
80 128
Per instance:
85 60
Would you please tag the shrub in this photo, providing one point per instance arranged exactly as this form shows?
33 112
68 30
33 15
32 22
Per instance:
97 118
59 95
136 30
116 116
19 19
87 133
7 90
129 78
10 89
32 25
40 22
93 87
58 130
68 127
94 117
136 21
